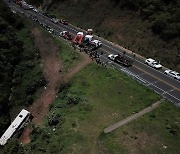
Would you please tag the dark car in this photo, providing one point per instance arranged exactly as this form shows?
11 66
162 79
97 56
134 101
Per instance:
62 21
66 35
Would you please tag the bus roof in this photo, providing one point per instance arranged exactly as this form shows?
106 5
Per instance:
14 126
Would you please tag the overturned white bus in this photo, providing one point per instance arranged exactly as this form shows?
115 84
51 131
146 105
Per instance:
22 118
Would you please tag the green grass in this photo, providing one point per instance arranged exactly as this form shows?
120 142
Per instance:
30 69
67 54
148 134
95 98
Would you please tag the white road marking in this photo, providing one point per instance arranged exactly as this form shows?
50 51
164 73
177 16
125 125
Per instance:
151 83
168 91
141 74
122 69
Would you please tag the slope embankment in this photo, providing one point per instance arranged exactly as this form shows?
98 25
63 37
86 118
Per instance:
52 66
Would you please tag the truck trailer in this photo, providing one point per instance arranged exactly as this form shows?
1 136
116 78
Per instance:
121 59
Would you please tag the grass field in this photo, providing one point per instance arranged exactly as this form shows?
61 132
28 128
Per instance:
95 98
67 54
155 132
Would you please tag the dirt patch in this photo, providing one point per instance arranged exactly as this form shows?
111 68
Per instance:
52 67
25 139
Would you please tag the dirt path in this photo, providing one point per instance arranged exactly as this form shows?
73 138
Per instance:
132 117
85 60
52 65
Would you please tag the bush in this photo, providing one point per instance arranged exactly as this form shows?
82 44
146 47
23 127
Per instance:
54 120
31 88
160 23
13 147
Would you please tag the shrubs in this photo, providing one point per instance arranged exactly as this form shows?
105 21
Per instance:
173 129
35 85
160 24
13 147
53 120
164 16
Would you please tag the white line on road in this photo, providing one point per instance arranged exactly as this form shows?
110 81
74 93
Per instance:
132 74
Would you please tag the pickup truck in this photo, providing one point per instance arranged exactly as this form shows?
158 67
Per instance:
151 62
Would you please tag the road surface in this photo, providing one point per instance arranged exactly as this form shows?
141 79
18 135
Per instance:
162 84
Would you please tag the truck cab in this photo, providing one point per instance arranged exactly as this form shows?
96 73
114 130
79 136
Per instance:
78 38
87 39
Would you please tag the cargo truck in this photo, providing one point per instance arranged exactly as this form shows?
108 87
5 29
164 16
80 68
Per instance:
121 59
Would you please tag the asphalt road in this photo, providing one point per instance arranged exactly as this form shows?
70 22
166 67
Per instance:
162 84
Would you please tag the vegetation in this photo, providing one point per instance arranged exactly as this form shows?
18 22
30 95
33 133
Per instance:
13 147
10 50
21 73
155 132
28 75
94 99
67 55
148 27
85 107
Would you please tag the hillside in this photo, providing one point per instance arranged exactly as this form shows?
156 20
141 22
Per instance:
21 75
86 105
148 27
80 98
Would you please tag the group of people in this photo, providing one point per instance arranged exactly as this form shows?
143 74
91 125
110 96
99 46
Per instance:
93 54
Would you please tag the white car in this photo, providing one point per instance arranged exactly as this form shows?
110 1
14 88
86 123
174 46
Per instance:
35 10
112 56
173 74
151 62
96 43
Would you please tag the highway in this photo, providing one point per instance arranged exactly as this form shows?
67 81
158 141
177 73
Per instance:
156 80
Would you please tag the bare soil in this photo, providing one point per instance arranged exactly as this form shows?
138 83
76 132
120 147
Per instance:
52 67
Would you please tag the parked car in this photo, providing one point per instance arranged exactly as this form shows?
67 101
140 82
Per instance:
62 21
173 74
96 43
151 62
66 35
